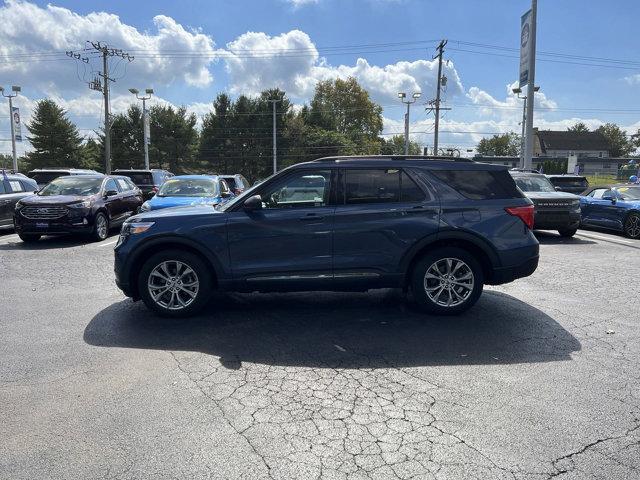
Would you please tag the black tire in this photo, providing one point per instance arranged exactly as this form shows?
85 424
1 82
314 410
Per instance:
163 302
100 230
570 232
445 290
29 237
632 225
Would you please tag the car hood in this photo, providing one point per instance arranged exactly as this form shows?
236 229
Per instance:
551 196
168 202
52 199
174 212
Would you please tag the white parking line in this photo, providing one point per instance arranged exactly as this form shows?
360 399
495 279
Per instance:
608 239
108 243
8 238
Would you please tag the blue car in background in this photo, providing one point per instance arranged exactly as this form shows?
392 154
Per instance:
185 190
616 207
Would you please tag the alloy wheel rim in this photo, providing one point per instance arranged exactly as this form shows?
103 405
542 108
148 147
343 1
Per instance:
102 227
173 285
633 226
449 282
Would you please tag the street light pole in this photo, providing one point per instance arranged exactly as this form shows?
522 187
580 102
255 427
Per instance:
518 91
145 122
275 147
402 96
16 89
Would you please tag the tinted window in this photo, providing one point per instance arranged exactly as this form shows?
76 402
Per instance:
534 184
480 184
132 186
231 181
46 177
301 190
410 192
139 178
16 186
124 186
372 186
110 185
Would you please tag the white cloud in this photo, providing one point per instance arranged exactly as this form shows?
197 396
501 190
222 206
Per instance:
300 3
292 62
633 79
26 28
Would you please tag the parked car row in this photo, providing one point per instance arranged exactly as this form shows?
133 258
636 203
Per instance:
77 201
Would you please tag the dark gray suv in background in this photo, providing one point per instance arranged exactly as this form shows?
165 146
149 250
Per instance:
439 227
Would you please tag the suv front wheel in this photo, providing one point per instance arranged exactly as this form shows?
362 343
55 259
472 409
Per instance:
447 281
174 283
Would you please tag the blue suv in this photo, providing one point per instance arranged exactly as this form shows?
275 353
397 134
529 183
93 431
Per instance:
440 227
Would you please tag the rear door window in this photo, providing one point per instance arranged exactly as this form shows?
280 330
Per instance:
409 190
480 184
124 187
372 186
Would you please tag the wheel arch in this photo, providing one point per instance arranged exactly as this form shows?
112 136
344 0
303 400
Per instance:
469 242
155 246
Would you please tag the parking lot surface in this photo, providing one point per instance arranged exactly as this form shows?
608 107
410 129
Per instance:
541 379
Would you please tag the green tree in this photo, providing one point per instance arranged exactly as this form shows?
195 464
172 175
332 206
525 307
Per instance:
395 146
619 144
6 161
54 138
345 107
127 139
91 155
504 145
579 127
174 139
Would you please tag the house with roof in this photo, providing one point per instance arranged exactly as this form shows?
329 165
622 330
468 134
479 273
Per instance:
551 143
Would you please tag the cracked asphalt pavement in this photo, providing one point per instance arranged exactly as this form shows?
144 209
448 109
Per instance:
541 379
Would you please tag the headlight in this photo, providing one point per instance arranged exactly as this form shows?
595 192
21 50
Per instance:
134 228
83 204
145 207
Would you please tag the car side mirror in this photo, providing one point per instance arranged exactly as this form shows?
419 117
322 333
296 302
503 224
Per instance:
611 198
253 203
558 189
110 193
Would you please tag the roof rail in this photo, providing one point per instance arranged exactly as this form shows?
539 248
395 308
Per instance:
394 157
524 170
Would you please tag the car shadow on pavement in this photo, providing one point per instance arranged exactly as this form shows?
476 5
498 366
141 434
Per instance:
51 242
341 330
550 238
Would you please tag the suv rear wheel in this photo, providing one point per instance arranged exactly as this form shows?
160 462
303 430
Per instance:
567 232
174 283
447 281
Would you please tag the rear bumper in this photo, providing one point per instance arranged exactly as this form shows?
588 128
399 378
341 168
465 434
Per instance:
509 274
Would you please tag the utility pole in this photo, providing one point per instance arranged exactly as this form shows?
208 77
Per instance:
518 91
275 146
145 121
96 84
15 89
402 96
528 143
434 105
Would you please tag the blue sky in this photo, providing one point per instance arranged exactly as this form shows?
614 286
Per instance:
478 90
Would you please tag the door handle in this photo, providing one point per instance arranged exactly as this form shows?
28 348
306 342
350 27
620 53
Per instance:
311 217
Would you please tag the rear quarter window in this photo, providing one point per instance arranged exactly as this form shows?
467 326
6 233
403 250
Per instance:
480 184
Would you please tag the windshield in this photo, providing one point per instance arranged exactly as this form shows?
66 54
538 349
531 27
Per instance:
182 187
629 193
79 185
534 184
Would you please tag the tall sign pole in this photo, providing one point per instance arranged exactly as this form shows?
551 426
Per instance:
527 75
275 145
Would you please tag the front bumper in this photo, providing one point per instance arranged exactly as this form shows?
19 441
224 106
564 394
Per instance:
556 220
52 227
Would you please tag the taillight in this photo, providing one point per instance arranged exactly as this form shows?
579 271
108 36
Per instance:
524 213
